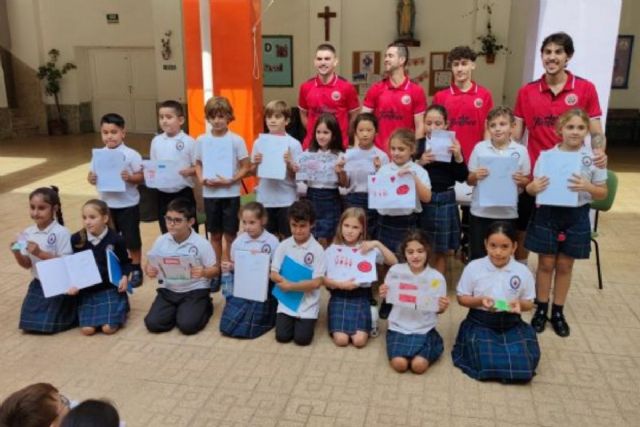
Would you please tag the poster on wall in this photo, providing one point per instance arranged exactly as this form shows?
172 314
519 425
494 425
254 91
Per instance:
277 60
622 62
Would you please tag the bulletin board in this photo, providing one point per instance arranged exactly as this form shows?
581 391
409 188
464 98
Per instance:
439 72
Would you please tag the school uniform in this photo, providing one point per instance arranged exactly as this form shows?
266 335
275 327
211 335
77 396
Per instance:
327 204
567 230
299 325
440 218
102 304
496 345
181 149
349 311
125 206
357 191
47 315
243 318
221 204
182 303
413 332
393 224
276 195
483 216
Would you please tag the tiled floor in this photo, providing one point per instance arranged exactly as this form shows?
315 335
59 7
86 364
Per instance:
591 378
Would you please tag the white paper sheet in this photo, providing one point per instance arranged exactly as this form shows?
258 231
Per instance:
161 173
392 192
558 166
108 166
273 148
173 267
498 188
314 166
407 290
251 275
57 275
217 160
348 263
439 143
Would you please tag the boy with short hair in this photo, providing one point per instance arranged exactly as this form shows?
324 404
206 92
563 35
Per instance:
276 195
304 249
124 206
182 303
173 144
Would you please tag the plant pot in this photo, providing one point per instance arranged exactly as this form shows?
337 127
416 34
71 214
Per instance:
490 58
57 127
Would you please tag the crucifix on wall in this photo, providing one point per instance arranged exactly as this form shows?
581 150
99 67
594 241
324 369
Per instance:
327 15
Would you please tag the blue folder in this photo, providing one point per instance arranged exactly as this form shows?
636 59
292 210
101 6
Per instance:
115 271
293 272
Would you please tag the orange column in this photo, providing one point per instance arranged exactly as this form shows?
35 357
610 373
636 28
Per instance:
193 66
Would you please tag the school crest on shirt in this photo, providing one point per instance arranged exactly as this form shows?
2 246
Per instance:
514 282
179 145
51 239
266 249
308 258
571 99
406 99
586 161
335 95
478 102
193 250
515 155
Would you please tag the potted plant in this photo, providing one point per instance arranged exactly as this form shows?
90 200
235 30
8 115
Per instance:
52 75
489 45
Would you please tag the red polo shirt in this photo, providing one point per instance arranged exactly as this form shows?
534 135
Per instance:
338 97
467 112
539 108
394 107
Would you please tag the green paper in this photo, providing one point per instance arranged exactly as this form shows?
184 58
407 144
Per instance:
501 305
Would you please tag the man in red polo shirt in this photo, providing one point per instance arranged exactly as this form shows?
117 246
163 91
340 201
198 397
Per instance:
467 102
327 93
396 101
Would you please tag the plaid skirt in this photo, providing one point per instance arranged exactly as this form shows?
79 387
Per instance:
557 229
393 229
349 311
101 307
361 200
496 346
47 315
327 204
428 346
243 318
441 221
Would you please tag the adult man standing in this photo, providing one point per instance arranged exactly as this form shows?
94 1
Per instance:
327 93
396 101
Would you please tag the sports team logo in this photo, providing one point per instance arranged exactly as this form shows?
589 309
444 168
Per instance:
515 155
335 95
193 250
406 99
266 249
478 102
586 161
514 282
179 145
51 239
308 258
571 99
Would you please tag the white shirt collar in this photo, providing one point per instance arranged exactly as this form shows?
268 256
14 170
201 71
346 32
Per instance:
95 240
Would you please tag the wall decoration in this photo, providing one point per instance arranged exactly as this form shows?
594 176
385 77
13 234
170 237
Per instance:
365 69
166 45
277 59
622 62
439 73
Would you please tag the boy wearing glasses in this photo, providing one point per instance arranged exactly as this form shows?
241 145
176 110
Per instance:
182 303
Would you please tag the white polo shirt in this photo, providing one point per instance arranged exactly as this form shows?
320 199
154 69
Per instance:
130 196
55 239
277 193
196 246
332 252
392 169
311 255
239 153
409 321
481 278
180 148
359 177
265 243
486 149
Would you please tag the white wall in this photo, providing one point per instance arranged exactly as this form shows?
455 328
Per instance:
3 93
24 29
630 24
167 15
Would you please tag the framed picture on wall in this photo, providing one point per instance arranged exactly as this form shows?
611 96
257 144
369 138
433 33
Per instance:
622 62
277 60
439 73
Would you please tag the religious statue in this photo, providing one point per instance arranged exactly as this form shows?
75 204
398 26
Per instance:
406 14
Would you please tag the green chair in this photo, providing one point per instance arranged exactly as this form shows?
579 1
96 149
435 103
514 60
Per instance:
603 206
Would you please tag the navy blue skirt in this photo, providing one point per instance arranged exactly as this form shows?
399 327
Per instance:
361 200
393 229
243 318
496 346
47 315
441 221
557 229
327 204
350 311
97 308
428 346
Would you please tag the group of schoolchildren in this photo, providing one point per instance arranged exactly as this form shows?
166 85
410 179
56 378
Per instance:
492 343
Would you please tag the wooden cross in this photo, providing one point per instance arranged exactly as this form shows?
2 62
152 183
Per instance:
327 15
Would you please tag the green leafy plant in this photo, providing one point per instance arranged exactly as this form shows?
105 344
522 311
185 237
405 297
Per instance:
52 75
489 45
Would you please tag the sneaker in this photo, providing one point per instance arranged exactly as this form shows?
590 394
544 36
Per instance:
385 309
214 284
539 321
136 278
560 325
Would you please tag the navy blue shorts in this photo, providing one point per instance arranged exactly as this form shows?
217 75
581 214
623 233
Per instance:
222 214
393 229
428 346
327 205
127 222
102 307
278 221
556 229
441 221
47 315
349 311
361 200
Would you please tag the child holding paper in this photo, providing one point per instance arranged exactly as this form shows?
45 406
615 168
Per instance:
277 194
182 303
362 160
440 218
562 234
303 249
104 305
412 340
221 150
500 123
324 195
244 318
47 238
124 206
493 342
349 308
174 145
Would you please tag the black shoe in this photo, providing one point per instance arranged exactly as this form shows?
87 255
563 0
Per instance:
539 321
560 325
385 309
136 278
